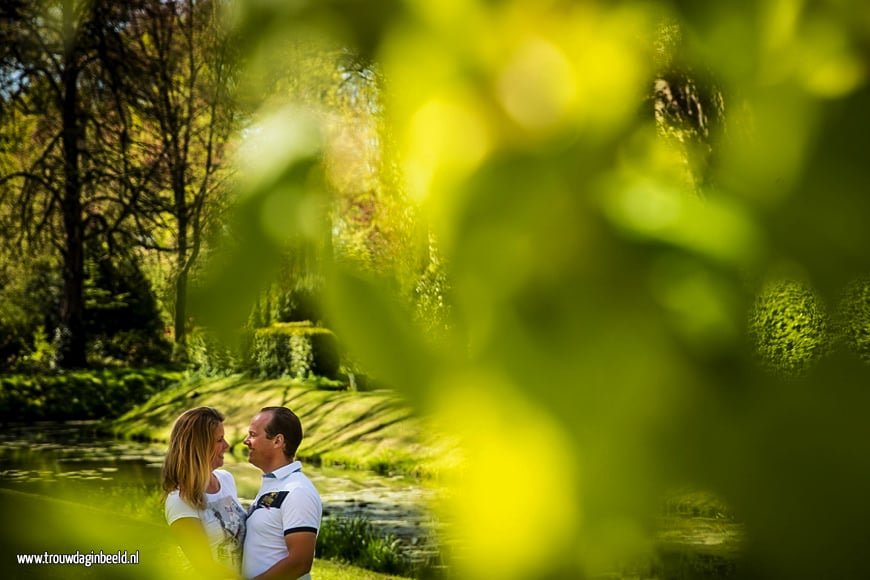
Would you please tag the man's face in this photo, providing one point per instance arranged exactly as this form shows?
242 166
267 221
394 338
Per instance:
262 449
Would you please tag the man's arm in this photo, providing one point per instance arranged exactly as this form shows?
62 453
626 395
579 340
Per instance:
300 545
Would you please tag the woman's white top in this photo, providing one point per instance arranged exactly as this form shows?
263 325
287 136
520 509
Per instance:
223 518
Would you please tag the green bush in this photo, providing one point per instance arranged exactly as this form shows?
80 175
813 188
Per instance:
41 356
134 347
122 316
79 395
30 296
355 541
295 349
210 356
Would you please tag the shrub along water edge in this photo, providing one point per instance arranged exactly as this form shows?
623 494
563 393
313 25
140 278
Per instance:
79 395
356 541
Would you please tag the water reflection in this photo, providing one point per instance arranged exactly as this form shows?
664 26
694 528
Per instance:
74 461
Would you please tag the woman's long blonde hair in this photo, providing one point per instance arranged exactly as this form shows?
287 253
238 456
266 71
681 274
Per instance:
187 466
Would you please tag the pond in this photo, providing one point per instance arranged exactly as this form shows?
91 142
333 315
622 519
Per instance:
75 462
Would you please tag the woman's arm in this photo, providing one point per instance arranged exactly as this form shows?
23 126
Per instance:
191 537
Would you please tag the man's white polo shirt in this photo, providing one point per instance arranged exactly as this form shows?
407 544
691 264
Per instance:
287 503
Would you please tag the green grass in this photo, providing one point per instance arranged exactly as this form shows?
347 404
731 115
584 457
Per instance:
330 570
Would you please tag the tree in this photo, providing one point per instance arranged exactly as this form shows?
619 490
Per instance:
63 65
374 227
125 113
186 118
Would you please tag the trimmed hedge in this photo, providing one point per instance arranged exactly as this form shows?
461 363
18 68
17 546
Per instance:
80 394
295 349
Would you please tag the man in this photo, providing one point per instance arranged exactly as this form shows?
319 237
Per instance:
284 518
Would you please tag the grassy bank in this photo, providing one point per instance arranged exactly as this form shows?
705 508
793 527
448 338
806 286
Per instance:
373 430
329 570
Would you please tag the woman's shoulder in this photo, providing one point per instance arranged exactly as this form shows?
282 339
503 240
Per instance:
227 481
175 508
223 475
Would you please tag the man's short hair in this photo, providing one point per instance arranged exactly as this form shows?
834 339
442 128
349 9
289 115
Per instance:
284 421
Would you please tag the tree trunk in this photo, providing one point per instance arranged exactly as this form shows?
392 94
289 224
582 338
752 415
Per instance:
71 347
181 309
181 261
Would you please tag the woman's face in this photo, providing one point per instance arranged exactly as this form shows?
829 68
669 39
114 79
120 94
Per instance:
220 447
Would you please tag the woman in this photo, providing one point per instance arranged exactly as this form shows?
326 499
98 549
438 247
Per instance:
202 506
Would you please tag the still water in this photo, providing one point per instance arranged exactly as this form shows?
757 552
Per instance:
73 461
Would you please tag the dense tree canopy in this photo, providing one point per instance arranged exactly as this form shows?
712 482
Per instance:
63 65
116 116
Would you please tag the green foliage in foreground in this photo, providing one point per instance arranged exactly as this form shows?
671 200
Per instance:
80 394
599 304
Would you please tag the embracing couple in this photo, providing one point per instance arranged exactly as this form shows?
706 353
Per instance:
277 535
